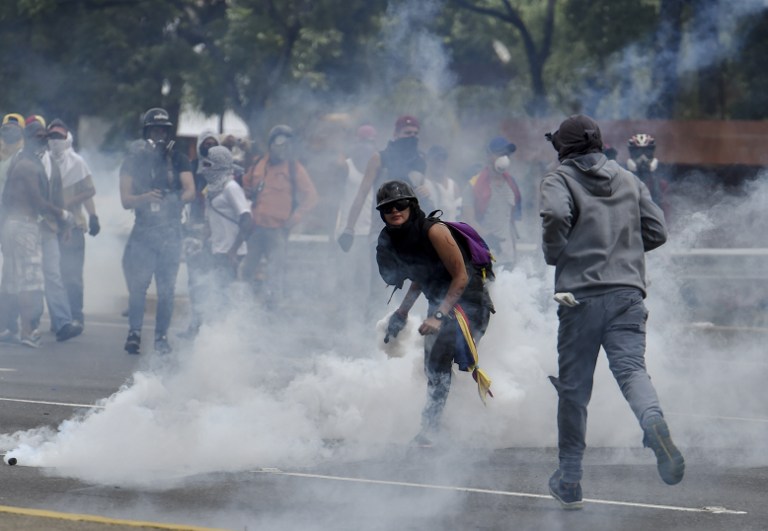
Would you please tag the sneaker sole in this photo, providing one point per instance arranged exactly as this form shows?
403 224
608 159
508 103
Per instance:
569 506
669 460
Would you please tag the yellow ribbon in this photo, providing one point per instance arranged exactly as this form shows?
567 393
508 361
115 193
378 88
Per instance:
482 379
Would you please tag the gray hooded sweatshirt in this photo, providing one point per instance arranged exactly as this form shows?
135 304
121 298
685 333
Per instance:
598 219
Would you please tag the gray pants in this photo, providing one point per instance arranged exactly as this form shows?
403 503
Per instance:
615 321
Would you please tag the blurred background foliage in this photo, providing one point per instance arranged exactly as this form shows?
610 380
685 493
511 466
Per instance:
455 61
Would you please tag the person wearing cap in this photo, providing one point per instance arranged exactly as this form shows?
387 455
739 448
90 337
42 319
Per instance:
443 190
424 251
400 160
598 220
25 199
155 182
11 142
77 195
492 202
51 230
281 193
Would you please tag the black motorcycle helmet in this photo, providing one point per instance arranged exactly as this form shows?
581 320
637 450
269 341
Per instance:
392 191
156 117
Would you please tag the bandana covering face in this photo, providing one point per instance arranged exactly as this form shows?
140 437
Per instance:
217 169
71 165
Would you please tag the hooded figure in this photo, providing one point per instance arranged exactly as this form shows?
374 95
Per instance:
577 135
217 169
598 220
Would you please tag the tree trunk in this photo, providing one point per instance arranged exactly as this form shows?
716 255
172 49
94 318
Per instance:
667 49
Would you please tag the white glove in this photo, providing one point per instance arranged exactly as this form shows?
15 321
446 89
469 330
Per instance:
566 299
66 216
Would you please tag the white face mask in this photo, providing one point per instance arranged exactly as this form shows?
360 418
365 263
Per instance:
57 146
501 164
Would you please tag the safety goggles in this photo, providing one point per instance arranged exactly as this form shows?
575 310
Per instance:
399 205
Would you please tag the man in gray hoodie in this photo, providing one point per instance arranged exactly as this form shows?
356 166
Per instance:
598 221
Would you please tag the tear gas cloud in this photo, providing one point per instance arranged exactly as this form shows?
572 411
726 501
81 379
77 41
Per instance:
258 389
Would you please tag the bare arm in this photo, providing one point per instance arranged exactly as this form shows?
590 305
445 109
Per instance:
453 260
414 290
36 199
90 206
187 186
371 170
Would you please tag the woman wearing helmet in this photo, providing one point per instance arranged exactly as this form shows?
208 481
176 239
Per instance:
424 251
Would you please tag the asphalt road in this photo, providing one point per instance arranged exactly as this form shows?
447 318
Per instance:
403 489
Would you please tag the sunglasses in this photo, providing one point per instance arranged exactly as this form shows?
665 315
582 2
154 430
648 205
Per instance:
399 205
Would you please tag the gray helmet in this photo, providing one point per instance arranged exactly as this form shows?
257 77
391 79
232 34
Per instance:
392 191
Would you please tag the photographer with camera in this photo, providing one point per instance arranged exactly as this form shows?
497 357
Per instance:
155 182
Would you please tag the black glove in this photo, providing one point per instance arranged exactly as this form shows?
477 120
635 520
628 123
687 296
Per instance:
93 225
345 240
396 323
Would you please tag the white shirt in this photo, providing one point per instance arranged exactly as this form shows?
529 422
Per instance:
363 225
231 202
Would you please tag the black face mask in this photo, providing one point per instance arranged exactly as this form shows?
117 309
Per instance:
406 145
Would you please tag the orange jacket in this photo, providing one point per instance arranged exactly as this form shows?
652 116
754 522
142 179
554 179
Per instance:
271 191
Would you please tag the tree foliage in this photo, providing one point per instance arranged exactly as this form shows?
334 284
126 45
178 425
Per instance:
267 59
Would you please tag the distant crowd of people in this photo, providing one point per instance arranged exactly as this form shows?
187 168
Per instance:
402 214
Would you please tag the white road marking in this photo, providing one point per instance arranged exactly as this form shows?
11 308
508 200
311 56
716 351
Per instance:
717 417
7 370
46 403
710 509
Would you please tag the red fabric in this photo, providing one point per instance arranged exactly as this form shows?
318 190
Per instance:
405 121
482 190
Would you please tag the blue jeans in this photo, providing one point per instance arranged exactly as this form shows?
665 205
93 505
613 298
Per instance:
152 251
55 292
615 321
72 262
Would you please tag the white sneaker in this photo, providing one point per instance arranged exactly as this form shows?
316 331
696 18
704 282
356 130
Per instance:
31 341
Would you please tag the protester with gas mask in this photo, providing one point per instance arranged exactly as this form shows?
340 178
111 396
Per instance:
492 202
155 181
401 160
281 193
77 194
642 162
598 220
24 201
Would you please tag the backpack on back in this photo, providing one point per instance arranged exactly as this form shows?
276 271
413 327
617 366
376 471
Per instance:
474 244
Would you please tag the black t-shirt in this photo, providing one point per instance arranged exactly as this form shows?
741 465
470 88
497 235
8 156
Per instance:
150 171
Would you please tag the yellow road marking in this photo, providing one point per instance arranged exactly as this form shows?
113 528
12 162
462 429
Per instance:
100 519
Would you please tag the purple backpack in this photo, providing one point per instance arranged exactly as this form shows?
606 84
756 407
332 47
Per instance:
467 237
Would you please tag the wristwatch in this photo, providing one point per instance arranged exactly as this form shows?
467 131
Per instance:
438 315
